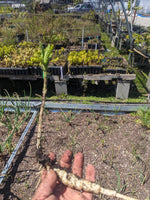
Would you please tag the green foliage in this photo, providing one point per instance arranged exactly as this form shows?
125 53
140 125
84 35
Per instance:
23 55
59 57
5 9
14 124
85 58
55 38
113 62
46 55
130 4
75 2
93 41
144 116
8 36
6 50
141 40
69 116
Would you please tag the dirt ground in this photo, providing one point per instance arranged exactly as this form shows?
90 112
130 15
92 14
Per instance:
117 146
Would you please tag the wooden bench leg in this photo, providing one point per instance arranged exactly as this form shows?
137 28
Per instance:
122 91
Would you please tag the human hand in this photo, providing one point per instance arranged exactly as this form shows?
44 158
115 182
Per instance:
51 189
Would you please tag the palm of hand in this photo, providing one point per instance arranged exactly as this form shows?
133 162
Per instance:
51 189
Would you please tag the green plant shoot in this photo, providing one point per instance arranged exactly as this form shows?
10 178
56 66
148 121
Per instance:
46 55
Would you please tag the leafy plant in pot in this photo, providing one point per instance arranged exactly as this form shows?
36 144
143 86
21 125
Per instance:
94 43
59 40
81 62
141 42
58 63
114 65
23 58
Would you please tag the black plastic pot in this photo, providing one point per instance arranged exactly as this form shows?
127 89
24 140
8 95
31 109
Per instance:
99 37
39 71
86 39
20 37
57 70
115 71
14 71
32 70
94 46
80 70
59 46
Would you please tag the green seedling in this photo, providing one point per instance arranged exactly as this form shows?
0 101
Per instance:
18 179
102 127
144 116
142 177
88 121
102 142
69 116
125 134
13 124
58 128
119 188
73 142
15 127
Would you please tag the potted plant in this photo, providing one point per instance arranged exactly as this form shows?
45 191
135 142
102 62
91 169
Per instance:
58 63
94 44
85 62
141 42
58 40
21 59
114 65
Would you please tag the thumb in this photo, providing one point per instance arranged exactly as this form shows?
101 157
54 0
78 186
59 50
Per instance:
46 187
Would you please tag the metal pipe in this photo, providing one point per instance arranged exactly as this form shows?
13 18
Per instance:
111 107
12 156
128 26
114 14
118 29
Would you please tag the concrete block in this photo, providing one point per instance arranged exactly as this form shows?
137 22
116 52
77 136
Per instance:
122 91
61 87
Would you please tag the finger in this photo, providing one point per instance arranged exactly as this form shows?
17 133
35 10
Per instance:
90 176
47 186
71 194
77 167
90 173
52 197
66 159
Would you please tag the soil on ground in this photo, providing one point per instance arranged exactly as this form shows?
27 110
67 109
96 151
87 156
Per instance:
117 146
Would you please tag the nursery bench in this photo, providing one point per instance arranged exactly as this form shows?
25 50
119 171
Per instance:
123 82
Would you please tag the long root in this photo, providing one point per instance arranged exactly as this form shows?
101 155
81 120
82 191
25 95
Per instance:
74 182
